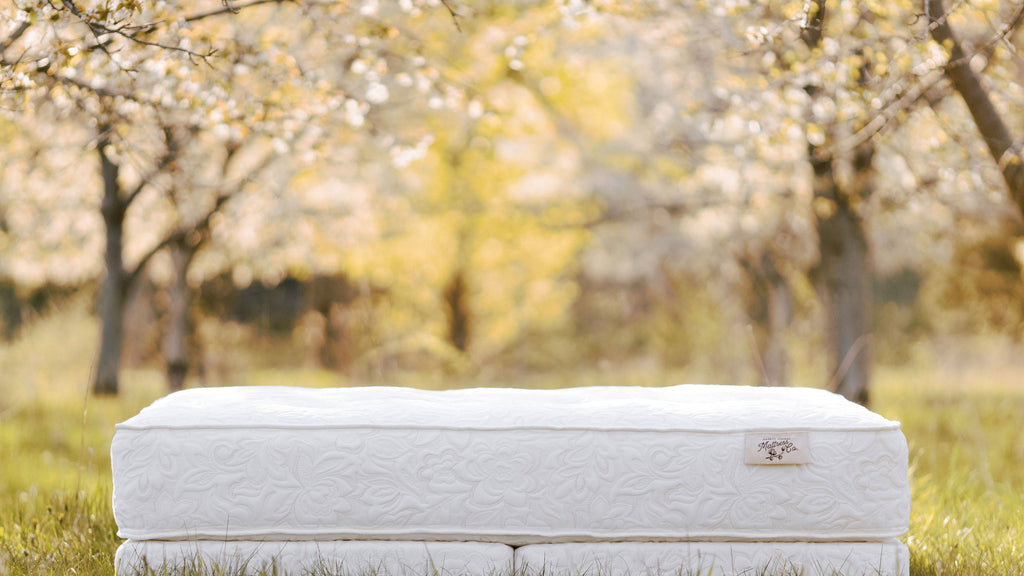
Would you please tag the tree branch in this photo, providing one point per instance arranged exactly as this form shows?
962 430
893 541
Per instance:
1001 144
179 235
812 27
97 28
105 92
1008 28
170 155
201 226
562 124
225 9
13 36
986 117
451 11
889 112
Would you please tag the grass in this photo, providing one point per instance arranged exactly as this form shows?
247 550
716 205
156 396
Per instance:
967 470
964 428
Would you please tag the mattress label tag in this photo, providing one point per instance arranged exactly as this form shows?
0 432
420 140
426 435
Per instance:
774 448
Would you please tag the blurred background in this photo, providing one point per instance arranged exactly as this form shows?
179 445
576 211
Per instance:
510 189
441 194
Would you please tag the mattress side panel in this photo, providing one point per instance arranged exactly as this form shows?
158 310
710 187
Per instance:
888 558
309 557
516 486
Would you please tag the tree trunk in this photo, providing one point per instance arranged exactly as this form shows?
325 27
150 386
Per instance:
844 275
10 311
780 311
844 267
456 298
115 283
770 309
178 320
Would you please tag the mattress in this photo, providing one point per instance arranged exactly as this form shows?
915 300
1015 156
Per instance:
886 558
278 557
682 463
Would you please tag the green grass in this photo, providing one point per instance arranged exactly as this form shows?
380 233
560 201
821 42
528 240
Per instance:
964 429
967 470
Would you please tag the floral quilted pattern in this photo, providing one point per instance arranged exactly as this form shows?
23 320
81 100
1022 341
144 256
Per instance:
515 467
888 558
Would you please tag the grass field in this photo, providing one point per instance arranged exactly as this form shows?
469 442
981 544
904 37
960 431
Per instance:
964 428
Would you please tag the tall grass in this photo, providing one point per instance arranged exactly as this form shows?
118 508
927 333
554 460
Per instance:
967 469
964 429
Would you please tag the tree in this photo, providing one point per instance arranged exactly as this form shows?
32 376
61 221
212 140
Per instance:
48 239
1004 149
239 164
131 72
844 267
94 65
853 92
661 157
466 222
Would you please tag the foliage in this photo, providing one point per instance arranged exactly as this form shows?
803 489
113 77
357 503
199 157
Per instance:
561 158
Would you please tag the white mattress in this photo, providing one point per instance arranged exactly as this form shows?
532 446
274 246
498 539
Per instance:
339 557
889 558
511 466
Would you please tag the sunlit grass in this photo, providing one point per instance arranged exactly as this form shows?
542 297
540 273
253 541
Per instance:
964 427
60 532
967 470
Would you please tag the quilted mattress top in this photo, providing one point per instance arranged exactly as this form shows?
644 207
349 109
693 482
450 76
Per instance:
517 467
698 408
